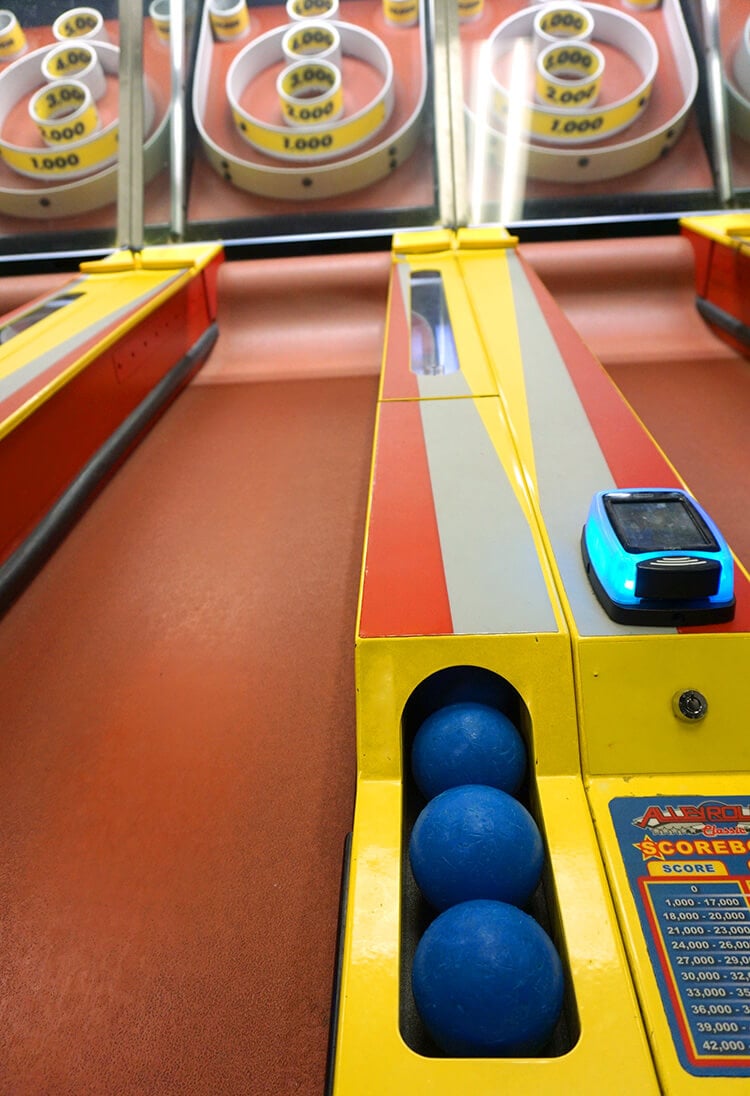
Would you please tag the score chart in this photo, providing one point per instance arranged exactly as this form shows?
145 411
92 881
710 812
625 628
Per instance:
688 866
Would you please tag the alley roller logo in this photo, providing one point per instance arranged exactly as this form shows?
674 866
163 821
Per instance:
709 829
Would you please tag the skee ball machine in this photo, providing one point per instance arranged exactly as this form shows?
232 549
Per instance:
532 559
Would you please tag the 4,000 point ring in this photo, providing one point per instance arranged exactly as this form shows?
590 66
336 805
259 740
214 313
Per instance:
78 158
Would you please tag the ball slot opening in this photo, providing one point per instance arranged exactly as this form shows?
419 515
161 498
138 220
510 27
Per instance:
453 685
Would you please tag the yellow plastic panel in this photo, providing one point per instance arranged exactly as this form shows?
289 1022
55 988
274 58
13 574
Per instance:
481 238
538 666
611 1053
163 257
626 686
727 228
413 243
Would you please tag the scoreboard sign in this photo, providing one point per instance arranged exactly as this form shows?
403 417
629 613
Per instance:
688 865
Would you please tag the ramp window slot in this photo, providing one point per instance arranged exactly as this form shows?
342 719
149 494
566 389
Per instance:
433 348
9 331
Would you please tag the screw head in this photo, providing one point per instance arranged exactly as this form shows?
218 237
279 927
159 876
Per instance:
690 705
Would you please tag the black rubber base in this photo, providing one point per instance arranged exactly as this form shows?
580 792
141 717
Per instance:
724 320
658 614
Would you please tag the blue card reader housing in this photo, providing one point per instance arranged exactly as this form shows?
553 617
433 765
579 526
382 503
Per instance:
654 556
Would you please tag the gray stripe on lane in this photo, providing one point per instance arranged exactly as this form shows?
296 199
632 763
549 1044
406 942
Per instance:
453 384
494 579
570 466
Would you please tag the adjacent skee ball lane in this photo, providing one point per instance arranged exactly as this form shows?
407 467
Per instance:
91 344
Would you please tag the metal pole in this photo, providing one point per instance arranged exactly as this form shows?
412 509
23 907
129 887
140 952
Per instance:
448 120
717 102
130 167
177 132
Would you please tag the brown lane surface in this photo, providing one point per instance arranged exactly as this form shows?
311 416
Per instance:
177 757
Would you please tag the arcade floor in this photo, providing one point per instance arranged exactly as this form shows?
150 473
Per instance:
177 748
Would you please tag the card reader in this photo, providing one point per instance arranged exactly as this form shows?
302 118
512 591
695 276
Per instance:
654 556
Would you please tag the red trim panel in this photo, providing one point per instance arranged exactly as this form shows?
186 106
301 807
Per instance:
404 591
399 383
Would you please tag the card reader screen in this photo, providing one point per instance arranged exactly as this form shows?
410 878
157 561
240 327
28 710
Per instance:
658 525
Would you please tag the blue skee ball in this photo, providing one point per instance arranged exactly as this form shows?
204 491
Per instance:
467 744
487 981
475 842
